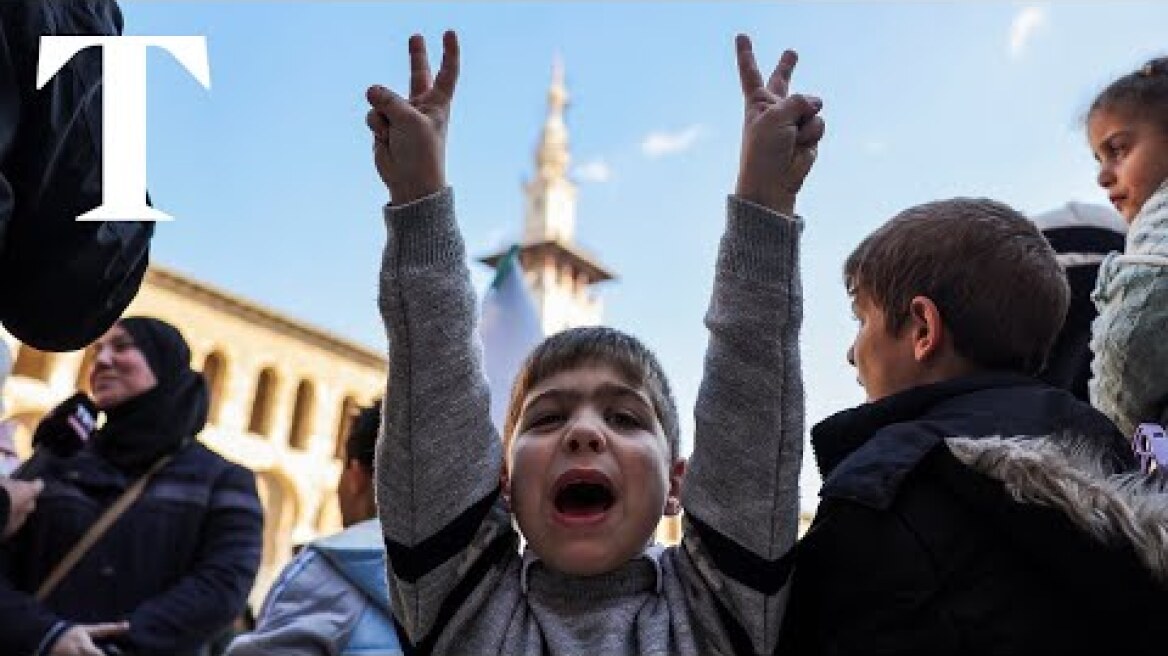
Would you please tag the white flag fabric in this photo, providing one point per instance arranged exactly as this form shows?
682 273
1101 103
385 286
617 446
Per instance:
510 328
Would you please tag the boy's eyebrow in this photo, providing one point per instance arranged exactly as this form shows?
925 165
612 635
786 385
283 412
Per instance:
606 390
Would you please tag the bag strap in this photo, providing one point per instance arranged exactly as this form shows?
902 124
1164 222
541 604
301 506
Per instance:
99 529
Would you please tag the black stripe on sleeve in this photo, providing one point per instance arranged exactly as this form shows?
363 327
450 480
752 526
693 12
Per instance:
742 565
412 563
739 640
500 546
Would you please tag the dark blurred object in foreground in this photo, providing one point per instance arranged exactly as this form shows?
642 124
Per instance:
65 282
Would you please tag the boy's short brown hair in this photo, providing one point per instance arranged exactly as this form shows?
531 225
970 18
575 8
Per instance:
994 278
576 347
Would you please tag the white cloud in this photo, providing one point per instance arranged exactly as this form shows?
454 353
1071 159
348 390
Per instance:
596 170
661 143
1025 24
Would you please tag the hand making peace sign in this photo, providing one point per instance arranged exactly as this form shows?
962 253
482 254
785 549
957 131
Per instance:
780 133
409 136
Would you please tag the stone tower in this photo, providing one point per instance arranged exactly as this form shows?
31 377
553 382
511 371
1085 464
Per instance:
559 273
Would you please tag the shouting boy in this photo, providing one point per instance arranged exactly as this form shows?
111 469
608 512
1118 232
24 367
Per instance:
592 458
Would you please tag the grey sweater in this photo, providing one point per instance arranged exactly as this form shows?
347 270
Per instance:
459 584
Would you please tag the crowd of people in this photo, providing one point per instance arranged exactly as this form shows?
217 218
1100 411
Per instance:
1002 489
972 505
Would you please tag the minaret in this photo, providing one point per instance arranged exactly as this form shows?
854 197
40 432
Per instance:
559 273
551 196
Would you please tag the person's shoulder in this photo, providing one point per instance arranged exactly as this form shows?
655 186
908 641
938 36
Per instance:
301 577
197 462
307 605
198 454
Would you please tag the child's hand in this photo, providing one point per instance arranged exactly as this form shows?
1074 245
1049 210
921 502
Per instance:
409 137
779 135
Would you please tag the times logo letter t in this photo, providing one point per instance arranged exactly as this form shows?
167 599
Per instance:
123 111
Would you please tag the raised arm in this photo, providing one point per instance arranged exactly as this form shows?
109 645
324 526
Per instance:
1128 379
439 457
741 493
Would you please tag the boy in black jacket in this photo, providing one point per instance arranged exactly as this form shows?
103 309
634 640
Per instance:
919 545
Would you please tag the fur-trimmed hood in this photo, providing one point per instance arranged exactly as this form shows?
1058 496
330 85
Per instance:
1072 477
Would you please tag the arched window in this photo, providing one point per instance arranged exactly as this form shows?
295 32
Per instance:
302 415
263 403
349 411
215 371
32 363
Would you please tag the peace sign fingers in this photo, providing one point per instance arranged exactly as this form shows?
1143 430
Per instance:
409 148
780 132
777 87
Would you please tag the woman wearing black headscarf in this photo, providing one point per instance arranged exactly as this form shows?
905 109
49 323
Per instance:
178 565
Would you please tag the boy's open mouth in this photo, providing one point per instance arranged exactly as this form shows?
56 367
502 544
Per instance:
582 496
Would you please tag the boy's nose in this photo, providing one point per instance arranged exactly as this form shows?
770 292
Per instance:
852 355
584 435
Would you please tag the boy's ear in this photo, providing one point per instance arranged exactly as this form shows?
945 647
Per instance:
928 330
673 499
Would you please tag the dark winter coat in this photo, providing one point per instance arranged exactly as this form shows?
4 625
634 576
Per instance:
178 565
979 516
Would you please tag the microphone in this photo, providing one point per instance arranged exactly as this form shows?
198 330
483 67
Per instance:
60 434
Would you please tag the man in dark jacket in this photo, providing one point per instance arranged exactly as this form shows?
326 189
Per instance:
920 544
64 282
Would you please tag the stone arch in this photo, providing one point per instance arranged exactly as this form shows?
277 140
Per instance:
303 413
263 404
349 410
32 363
215 372
282 510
